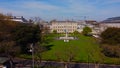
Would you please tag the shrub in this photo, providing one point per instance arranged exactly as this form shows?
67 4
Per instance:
111 51
87 31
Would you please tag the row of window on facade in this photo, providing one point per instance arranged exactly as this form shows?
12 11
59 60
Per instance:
63 30
65 23
64 27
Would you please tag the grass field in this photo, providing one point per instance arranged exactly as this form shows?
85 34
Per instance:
85 49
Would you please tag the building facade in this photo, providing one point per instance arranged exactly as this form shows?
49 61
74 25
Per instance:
104 26
64 26
81 25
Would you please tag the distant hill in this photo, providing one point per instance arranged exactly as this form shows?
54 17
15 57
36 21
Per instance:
112 20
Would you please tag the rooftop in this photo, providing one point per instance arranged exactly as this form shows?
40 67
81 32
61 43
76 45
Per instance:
3 60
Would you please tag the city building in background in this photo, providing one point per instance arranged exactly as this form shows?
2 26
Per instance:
64 26
110 22
19 19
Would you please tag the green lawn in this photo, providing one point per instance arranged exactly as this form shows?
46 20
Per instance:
85 49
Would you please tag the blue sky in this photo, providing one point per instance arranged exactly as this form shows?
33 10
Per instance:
62 9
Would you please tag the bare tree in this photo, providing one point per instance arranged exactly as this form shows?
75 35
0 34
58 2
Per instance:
35 20
9 49
69 53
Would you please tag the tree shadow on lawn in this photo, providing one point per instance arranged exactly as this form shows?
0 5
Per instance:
48 47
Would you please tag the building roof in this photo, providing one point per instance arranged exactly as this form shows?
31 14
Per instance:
64 22
91 21
3 60
112 20
19 19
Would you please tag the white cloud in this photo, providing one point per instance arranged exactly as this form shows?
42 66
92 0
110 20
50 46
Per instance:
5 10
39 5
91 8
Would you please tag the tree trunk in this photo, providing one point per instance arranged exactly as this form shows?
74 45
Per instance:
96 65
66 65
11 63
10 60
11 66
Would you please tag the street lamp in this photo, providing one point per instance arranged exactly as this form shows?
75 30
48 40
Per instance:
32 50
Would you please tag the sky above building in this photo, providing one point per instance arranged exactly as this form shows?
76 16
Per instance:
62 9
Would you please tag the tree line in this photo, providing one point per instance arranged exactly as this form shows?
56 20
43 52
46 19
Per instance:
110 39
16 37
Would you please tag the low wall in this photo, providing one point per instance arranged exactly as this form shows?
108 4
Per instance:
53 64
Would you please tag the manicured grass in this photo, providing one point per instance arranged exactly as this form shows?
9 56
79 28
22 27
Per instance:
85 49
